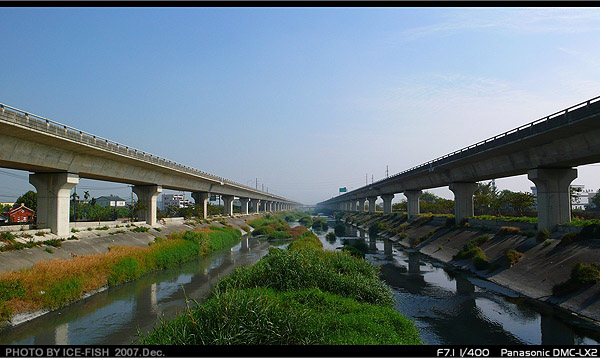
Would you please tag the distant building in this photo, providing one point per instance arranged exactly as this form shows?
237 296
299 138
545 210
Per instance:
111 200
20 214
582 200
175 200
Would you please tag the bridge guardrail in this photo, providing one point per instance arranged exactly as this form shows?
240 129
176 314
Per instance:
49 126
545 123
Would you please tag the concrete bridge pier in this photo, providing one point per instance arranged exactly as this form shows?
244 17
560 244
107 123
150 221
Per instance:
201 198
372 206
412 202
54 193
464 287
228 204
553 196
147 196
463 199
387 203
361 205
244 208
255 205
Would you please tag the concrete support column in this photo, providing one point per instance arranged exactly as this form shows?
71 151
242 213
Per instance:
201 198
54 193
255 205
361 205
372 206
348 206
387 203
244 209
147 196
463 200
553 199
228 203
412 202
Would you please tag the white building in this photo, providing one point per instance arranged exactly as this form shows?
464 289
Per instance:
175 200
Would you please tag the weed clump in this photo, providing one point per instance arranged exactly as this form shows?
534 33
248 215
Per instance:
513 256
509 230
472 251
542 235
582 275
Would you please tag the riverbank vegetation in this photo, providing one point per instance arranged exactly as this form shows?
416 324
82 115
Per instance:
52 284
302 295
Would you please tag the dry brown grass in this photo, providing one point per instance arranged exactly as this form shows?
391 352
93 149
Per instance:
297 231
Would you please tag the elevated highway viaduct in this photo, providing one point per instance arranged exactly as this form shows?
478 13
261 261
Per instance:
58 155
548 150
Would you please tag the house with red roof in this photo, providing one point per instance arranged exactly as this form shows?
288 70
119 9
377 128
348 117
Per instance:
19 214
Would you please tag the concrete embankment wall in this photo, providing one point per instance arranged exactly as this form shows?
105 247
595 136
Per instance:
98 241
542 265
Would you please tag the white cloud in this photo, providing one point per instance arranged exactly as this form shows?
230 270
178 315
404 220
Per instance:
520 20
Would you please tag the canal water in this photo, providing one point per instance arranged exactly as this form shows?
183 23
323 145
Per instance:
447 307
457 308
115 315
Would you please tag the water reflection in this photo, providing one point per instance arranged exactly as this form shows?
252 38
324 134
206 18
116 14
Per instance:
450 308
114 316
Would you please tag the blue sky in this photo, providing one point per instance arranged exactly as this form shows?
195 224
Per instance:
305 99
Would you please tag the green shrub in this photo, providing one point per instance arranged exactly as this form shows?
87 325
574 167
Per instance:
279 235
63 291
7 237
333 272
353 251
102 228
330 237
263 230
306 240
320 224
127 269
53 242
471 250
10 289
582 275
73 230
49 250
140 229
480 260
260 316
547 243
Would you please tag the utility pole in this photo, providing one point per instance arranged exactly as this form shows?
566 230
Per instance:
263 187
256 183
366 178
386 171
371 178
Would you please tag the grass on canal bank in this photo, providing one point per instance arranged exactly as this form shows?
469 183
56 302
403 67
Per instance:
56 283
302 295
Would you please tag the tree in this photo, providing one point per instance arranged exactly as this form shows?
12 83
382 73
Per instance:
519 201
29 199
486 197
428 198
401 206
86 196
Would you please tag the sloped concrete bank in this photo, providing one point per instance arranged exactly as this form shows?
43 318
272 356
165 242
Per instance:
98 242
543 264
